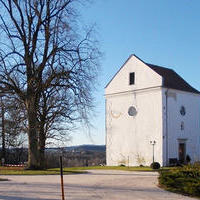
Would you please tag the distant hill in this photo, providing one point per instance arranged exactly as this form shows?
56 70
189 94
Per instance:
100 148
86 147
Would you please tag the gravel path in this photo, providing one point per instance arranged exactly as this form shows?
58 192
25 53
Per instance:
106 185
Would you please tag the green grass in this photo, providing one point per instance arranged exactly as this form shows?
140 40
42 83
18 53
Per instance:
111 168
145 169
21 171
35 172
69 170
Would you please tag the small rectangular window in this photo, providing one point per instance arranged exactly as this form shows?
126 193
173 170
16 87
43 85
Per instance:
132 78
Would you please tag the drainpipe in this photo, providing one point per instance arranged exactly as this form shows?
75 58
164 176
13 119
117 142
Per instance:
167 155
106 135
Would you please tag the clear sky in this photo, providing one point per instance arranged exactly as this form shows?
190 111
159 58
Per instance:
161 32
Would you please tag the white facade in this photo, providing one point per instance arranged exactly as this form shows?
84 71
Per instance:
181 129
157 118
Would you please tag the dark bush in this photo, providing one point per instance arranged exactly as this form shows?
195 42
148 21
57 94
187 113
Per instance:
185 180
155 165
188 159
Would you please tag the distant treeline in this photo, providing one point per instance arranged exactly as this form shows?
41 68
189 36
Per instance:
84 155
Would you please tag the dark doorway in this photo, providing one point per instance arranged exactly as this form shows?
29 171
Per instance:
182 152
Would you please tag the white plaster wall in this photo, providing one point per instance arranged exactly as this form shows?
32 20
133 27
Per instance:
191 120
128 138
145 77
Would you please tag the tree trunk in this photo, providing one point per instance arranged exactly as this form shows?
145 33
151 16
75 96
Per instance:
41 147
33 153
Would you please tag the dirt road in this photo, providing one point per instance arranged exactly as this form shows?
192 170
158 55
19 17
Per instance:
106 185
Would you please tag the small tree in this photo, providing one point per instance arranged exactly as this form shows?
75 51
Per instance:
47 65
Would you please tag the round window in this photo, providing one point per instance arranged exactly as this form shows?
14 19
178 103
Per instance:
132 111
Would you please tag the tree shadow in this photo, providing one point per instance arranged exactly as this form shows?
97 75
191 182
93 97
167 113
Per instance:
19 198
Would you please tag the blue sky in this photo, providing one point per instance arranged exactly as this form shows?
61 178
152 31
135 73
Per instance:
162 32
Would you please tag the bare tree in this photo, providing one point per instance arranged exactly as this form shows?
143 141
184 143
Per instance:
12 124
47 64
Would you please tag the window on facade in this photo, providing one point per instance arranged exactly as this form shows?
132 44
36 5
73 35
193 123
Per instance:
132 78
182 126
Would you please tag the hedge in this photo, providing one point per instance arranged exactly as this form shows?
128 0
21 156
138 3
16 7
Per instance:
185 180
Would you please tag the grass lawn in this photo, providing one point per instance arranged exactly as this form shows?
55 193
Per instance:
71 170
112 168
22 171
136 168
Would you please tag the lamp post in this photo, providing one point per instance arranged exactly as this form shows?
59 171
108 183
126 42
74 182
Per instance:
153 142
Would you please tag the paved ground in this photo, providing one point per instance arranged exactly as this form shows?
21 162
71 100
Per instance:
106 185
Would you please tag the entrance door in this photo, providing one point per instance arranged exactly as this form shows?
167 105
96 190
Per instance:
182 152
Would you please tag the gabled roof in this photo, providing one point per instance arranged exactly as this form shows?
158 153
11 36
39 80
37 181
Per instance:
119 69
172 80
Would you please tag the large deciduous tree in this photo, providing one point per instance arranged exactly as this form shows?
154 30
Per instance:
48 65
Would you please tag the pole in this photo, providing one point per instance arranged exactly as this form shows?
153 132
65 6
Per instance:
153 153
3 130
61 176
166 138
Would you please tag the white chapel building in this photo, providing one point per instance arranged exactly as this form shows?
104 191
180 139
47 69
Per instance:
151 114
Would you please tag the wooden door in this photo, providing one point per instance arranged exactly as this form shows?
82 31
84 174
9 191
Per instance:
182 152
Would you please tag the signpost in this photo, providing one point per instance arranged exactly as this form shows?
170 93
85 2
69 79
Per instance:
61 176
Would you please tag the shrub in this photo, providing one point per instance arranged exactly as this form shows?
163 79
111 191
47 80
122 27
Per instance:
185 180
155 165
188 159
